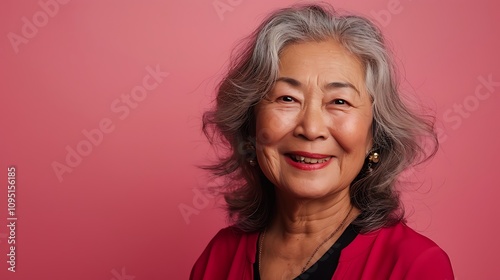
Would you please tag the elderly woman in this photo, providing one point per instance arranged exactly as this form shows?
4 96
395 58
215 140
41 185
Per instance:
318 136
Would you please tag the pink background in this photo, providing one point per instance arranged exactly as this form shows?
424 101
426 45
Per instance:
117 215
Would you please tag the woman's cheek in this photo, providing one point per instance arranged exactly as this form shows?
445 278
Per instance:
273 125
352 132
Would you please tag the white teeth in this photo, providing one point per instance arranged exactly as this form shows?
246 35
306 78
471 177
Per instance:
309 160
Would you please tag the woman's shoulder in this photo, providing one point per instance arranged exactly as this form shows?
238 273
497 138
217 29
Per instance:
230 235
404 238
401 252
403 242
231 239
394 239
421 256
231 250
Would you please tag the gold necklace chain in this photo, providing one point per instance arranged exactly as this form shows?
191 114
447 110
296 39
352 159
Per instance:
261 243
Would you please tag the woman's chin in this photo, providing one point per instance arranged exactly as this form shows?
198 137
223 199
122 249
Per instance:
303 192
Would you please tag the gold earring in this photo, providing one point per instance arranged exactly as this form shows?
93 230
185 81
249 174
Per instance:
373 158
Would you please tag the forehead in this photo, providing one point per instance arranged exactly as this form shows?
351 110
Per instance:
327 58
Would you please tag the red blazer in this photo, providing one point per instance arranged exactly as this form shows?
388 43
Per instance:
395 252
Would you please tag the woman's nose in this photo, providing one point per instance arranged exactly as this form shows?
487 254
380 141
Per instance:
311 124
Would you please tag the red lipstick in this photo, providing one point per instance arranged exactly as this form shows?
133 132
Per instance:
309 155
292 158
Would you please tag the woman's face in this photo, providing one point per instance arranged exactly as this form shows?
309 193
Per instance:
313 129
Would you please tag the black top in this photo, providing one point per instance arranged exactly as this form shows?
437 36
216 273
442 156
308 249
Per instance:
327 264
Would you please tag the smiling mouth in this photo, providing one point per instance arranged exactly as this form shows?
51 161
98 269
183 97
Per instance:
302 159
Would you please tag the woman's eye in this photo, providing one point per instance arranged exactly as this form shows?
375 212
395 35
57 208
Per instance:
339 102
286 98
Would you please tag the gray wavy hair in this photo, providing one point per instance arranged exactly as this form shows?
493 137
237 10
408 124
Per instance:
398 132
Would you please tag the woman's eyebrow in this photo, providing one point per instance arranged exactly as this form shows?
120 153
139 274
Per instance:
333 85
290 81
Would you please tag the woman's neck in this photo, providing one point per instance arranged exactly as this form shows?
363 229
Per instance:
311 218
